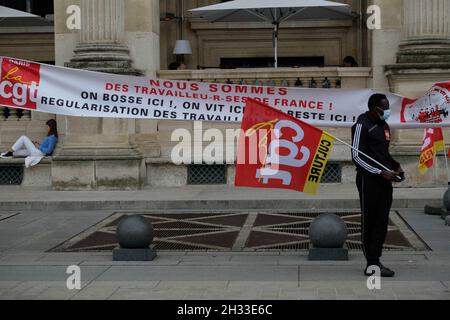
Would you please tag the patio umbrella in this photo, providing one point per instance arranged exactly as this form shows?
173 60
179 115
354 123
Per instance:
15 18
274 12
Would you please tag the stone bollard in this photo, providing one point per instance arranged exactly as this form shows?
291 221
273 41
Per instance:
435 211
447 200
328 234
443 212
135 236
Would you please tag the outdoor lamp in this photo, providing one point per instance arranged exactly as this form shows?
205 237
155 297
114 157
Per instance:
182 47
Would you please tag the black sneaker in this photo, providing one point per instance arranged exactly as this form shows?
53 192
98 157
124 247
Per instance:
8 154
384 272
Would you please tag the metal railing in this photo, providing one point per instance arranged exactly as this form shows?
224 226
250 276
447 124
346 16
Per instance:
12 114
308 77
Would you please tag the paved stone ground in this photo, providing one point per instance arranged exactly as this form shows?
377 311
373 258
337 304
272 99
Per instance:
27 271
205 197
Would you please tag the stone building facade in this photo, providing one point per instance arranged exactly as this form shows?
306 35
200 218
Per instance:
407 55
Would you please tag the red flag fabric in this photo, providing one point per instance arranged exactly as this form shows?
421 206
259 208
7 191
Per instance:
19 83
439 143
277 150
428 151
433 142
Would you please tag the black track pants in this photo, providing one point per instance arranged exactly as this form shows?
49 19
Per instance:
375 194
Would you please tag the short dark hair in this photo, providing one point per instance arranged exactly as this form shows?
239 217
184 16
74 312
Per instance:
375 100
174 65
351 61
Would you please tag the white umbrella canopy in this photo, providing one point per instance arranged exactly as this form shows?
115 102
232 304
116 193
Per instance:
11 18
274 12
6 12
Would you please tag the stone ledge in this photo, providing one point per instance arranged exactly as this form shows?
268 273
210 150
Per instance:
422 51
418 66
266 73
214 204
159 161
46 160
36 176
94 157
169 161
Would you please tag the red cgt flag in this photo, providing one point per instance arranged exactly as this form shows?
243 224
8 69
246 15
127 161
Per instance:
277 150
439 143
433 142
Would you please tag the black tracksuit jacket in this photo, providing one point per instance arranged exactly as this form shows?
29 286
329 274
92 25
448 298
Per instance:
372 136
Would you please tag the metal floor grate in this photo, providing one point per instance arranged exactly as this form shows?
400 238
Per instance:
288 229
169 233
220 231
332 173
207 174
316 214
354 246
291 247
11 175
181 225
160 245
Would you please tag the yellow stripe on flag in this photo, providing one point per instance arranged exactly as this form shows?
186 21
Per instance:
423 169
426 160
439 146
319 163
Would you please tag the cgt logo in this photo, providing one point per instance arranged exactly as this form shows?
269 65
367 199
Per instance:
19 82
284 152
433 107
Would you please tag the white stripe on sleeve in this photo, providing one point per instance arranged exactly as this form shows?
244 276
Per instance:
356 141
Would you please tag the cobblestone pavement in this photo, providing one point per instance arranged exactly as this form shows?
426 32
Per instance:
28 271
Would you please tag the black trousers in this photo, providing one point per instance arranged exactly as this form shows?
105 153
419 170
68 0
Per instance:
375 194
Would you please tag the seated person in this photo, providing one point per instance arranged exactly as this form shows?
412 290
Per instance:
24 147
350 62
177 66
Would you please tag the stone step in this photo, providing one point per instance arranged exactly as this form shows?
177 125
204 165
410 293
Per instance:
190 200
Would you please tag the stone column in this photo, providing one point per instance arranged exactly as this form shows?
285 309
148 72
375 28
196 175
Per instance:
101 45
426 32
97 153
424 52
426 23
101 49
423 59
109 14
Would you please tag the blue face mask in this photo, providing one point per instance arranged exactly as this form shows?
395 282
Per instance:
386 114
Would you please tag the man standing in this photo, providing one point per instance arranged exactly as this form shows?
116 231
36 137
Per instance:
371 135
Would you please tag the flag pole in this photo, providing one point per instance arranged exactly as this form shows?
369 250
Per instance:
353 148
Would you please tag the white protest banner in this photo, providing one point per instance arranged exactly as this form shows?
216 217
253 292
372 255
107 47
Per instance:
65 91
